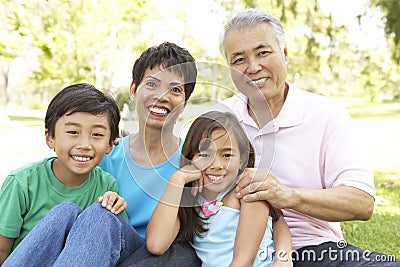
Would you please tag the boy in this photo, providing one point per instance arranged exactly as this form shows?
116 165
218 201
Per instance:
80 126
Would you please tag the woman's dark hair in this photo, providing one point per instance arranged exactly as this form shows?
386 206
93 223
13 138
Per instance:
82 97
171 57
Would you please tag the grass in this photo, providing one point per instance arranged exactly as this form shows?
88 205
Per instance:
359 108
382 232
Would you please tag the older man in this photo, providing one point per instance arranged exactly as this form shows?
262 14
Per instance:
308 164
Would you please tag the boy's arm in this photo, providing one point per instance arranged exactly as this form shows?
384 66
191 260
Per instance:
5 247
250 232
282 242
164 224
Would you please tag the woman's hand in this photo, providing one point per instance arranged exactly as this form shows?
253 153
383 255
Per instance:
113 202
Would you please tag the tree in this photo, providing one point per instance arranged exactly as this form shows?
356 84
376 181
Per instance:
71 41
391 11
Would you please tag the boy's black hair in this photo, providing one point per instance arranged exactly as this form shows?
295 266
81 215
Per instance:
170 56
83 97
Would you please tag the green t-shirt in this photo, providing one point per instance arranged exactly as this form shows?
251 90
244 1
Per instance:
31 191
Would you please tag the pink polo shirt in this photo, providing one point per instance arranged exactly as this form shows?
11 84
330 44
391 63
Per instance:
308 145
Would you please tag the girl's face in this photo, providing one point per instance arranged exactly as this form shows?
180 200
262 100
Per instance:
220 163
160 97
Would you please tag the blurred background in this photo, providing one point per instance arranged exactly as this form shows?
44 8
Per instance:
347 50
335 47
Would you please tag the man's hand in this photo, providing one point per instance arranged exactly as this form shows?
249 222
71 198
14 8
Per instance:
262 184
113 202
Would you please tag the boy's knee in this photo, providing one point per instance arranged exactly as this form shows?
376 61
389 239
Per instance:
95 207
99 215
96 210
69 208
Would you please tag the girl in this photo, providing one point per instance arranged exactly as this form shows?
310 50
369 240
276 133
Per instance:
223 229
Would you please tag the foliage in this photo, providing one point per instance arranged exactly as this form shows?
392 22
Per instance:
72 41
391 10
122 98
61 42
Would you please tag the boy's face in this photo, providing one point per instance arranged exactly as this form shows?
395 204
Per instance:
160 97
80 142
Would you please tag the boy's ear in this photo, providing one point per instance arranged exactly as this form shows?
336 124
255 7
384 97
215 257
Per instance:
110 147
49 139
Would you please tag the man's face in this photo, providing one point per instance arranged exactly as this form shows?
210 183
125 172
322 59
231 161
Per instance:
257 62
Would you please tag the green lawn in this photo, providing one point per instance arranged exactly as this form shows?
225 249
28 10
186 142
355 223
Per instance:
382 232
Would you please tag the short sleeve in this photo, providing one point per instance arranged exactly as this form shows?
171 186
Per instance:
13 207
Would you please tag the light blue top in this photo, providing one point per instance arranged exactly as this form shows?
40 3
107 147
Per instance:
215 247
140 186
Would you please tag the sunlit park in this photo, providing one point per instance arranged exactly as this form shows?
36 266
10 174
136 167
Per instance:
346 50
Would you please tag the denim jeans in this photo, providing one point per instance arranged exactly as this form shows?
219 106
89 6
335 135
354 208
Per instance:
340 254
69 236
178 255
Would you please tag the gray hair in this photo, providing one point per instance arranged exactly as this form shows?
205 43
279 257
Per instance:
248 19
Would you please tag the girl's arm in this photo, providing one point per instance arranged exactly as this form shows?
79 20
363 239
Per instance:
250 232
164 224
283 243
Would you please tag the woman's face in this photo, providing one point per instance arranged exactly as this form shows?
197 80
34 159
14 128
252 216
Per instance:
160 97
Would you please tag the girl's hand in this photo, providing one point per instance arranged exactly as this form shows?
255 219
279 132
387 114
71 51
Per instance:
191 174
113 202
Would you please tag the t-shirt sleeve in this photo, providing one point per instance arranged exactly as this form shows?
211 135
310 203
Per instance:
345 164
12 206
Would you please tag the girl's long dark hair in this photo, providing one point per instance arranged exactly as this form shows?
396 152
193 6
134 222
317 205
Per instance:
191 223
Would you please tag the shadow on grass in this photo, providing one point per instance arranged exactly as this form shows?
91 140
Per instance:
25 118
375 114
368 110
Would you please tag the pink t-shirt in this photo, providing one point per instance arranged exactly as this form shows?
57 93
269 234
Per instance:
309 145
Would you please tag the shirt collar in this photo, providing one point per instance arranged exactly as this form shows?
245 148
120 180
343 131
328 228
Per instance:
242 111
291 114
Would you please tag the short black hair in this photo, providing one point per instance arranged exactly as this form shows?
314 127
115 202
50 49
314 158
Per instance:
170 56
82 97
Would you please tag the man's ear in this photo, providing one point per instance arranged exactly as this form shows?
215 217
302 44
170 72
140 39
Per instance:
285 52
49 139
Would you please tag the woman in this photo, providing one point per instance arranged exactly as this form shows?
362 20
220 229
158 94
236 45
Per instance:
163 78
